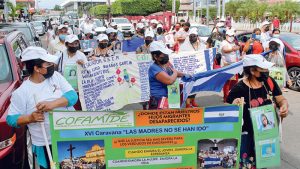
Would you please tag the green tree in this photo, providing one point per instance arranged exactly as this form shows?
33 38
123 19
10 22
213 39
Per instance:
13 13
57 8
99 10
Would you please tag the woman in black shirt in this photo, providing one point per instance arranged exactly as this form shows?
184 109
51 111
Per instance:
258 89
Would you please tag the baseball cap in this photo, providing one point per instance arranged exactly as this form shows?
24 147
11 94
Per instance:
194 31
149 33
257 60
62 26
71 38
110 30
113 24
34 52
230 32
140 25
102 37
219 24
265 23
159 46
159 26
154 21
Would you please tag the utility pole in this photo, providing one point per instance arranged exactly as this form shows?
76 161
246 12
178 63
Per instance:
194 10
223 8
109 10
5 11
174 10
218 9
207 12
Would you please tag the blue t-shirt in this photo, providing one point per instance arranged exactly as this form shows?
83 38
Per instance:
157 88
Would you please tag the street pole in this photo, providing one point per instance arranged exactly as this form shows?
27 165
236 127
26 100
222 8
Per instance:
218 8
223 8
5 11
207 12
194 10
174 10
109 10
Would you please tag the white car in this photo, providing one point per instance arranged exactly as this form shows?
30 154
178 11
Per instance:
124 25
39 27
203 31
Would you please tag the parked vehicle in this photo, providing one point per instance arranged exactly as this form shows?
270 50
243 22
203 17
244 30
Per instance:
27 29
39 27
203 31
13 148
291 42
124 25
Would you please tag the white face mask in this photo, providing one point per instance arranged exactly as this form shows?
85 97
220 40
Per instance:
276 36
230 39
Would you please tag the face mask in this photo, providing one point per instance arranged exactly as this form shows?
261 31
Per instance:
147 42
263 77
142 31
267 29
187 29
50 72
62 37
193 39
72 49
164 59
276 36
102 45
222 30
230 39
159 30
257 37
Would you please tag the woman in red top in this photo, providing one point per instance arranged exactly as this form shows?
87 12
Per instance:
254 45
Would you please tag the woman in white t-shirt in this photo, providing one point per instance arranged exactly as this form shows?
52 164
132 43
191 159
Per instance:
45 90
71 55
230 54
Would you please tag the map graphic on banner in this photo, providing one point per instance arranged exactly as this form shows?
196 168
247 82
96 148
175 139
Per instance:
113 82
266 136
171 138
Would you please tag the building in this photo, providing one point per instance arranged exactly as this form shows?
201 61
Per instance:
75 5
95 153
28 3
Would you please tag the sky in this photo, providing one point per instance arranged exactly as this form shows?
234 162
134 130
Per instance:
46 3
80 148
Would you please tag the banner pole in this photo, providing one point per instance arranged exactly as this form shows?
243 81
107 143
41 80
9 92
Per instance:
52 164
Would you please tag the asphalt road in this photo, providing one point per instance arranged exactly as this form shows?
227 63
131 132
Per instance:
290 148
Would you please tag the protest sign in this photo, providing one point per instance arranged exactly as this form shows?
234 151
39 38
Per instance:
132 44
172 138
70 73
266 136
113 82
174 95
192 62
88 44
278 73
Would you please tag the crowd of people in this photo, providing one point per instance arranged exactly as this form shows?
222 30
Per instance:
216 159
46 69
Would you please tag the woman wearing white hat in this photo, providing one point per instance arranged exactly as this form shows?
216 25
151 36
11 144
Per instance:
45 91
258 89
103 49
161 74
71 55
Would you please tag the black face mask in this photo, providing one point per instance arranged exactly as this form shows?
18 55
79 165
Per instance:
50 72
142 31
147 42
187 29
267 28
73 49
159 31
263 77
193 39
164 59
102 45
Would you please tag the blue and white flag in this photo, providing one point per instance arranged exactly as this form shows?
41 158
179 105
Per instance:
132 45
212 80
221 114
